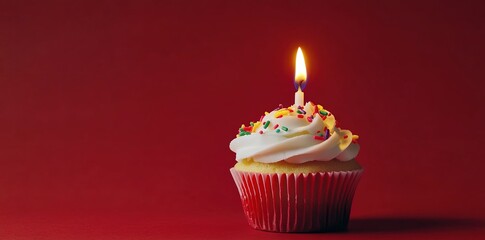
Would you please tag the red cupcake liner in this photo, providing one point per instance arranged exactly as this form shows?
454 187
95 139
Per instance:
315 202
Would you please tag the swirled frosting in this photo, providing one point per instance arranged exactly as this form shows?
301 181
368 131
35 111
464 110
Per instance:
295 135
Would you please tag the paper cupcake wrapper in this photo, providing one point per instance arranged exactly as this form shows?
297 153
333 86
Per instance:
315 202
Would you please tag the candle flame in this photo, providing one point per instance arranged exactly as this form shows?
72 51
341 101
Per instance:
300 70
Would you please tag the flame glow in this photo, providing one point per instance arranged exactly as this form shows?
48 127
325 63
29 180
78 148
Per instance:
300 70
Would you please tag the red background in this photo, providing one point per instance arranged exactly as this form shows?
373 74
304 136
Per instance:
115 117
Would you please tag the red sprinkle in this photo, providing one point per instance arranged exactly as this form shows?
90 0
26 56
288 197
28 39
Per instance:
310 119
280 116
346 136
300 116
290 110
316 110
324 117
261 132
319 138
261 118
248 128
276 126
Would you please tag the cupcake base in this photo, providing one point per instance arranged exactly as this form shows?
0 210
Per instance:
314 202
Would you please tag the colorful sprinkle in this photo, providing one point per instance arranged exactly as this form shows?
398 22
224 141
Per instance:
318 138
310 119
278 131
281 113
251 123
261 132
346 136
300 116
256 125
276 126
266 124
284 128
244 134
248 129
323 113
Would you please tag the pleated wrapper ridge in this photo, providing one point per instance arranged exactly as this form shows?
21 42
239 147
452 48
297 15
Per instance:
314 202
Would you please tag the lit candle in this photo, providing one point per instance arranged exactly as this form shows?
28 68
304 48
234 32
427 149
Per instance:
300 78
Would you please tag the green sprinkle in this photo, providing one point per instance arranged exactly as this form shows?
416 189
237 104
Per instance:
320 134
244 134
323 113
252 124
285 128
300 112
241 129
278 130
266 125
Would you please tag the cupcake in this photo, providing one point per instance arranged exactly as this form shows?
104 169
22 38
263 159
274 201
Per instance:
296 170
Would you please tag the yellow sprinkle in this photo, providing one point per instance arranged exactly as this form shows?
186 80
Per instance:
242 126
355 137
320 107
282 112
266 113
237 135
256 125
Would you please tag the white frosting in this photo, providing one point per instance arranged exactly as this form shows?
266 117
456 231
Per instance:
298 144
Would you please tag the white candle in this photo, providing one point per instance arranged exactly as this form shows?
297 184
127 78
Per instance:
299 98
300 78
